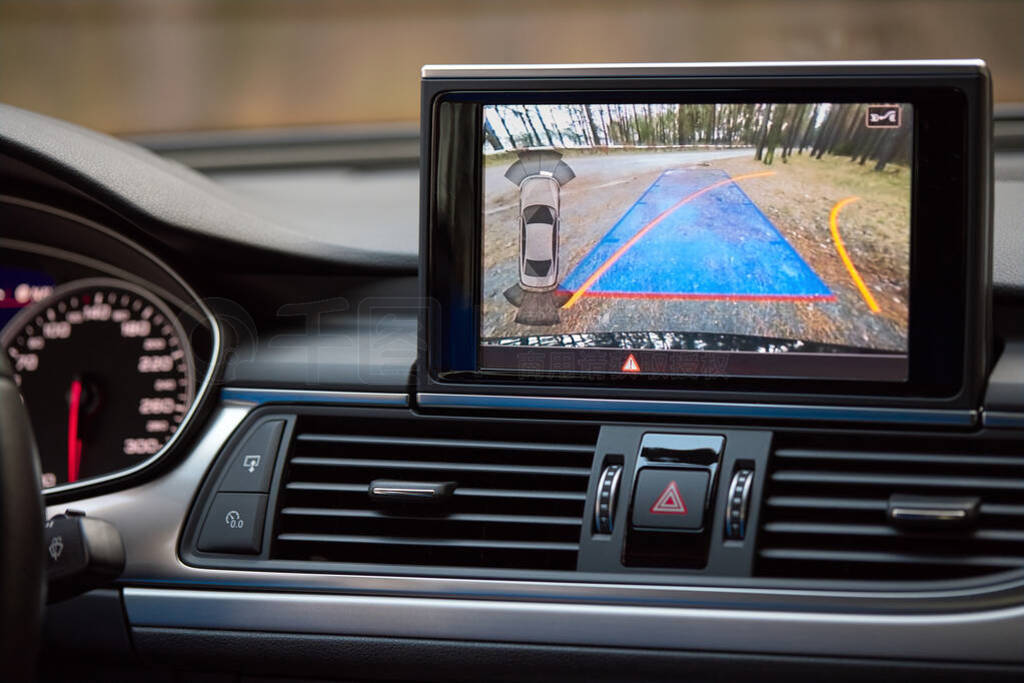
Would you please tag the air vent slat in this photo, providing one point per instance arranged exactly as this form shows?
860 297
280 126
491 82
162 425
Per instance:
840 556
826 503
434 542
825 512
326 486
889 531
459 492
456 517
579 496
516 503
995 509
446 466
446 443
910 458
923 480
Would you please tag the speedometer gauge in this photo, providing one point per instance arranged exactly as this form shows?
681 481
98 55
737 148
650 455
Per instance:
106 374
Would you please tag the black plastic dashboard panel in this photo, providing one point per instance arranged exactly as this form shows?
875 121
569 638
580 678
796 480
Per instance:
161 196
362 340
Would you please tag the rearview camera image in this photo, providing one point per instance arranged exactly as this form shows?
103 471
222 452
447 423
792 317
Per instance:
745 228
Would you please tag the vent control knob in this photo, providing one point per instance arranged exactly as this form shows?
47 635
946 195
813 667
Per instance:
607 496
738 505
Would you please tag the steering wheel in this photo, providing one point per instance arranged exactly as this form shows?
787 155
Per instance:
22 555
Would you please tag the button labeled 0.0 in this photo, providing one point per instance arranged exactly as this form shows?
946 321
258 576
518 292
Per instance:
234 524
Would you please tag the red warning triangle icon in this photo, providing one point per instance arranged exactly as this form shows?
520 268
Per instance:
631 365
670 502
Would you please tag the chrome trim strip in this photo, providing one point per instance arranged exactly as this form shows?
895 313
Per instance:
910 416
349 398
406 492
927 515
997 418
613 497
697 68
214 326
744 504
979 636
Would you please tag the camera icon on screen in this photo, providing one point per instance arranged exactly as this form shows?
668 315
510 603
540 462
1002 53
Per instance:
884 116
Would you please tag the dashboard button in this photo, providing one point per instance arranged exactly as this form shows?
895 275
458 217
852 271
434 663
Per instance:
670 499
234 524
253 462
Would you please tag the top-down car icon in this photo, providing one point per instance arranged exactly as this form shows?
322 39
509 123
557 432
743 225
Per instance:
539 174
538 221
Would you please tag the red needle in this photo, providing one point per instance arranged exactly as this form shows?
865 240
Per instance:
74 443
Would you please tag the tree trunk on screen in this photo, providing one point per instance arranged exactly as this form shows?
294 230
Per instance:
888 151
808 129
605 129
775 134
544 126
843 130
735 122
829 137
821 140
637 140
492 137
579 126
861 139
747 136
762 136
590 123
853 126
508 134
871 145
794 130
524 116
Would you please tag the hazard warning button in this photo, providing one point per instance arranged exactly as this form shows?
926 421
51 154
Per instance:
670 499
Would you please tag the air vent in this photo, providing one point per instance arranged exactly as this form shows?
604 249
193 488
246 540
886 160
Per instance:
826 515
517 501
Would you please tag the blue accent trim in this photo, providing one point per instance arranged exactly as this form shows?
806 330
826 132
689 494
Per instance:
351 398
1003 419
959 418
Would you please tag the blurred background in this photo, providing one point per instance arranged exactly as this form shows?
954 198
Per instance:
146 66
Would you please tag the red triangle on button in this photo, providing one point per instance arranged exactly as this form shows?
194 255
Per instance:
670 502
631 365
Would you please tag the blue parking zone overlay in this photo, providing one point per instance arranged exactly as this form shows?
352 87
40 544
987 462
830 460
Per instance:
717 245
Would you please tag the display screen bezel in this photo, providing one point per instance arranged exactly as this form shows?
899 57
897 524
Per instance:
939 340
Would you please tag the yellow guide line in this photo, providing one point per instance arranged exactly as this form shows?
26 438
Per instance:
872 304
596 275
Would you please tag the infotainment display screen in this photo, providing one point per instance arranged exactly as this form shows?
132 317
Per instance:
761 239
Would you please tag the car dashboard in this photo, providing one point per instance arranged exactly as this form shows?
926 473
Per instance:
289 356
